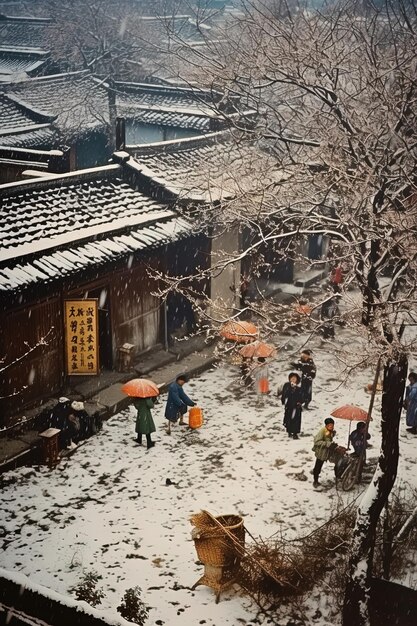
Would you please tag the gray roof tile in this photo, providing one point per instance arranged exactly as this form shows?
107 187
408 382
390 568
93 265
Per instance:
55 227
24 32
209 167
79 103
14 61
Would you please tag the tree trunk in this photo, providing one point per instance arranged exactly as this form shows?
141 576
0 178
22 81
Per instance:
355 609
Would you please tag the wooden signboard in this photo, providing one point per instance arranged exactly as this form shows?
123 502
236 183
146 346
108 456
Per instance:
81 337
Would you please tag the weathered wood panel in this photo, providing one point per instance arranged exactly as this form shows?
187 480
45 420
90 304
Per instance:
136 313
29 378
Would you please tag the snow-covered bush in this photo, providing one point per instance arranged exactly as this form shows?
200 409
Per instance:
86 589
132 607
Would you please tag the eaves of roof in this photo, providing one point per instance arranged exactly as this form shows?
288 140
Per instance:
40 136
214 167
56 227
61 263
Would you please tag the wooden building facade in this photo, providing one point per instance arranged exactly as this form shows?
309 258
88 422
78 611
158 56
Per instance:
84 235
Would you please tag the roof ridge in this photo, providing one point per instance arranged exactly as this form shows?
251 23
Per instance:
179 144
25 20
51 77
35 183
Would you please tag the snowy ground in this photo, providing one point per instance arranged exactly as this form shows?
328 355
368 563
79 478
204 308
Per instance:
108 508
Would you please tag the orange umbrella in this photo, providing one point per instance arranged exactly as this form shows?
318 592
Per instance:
238 331
256 349
140 388
350 412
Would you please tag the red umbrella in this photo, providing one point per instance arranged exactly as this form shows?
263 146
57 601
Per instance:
350 412
256 349
140 388
238 331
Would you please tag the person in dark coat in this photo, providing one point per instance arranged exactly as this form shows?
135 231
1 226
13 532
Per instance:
329 310
58 418
177 402
292 398
357 438
307 367
410 403
77 424
82 419
144 420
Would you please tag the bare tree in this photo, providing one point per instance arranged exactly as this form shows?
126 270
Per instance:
336 94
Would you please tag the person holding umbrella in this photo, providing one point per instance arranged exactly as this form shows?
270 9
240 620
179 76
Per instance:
144 396
358 439
177 402
144 420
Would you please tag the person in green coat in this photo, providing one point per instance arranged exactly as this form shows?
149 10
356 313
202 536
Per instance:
323 447
144 421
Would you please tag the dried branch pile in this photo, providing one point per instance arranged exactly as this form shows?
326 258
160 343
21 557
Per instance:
273 569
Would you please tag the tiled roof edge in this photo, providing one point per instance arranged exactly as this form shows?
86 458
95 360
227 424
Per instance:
84 234
25 20
23 129
178 144
152 87
25 51
41 153
45 117
52 77
37 183
156 186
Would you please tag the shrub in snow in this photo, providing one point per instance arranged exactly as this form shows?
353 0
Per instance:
132 608
86 589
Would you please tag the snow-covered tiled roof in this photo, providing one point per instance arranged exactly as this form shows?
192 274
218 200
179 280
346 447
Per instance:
75 257
166 118
24 32
15 116
207 168
167 98
78 101
40 137
55 227
14 61
23 127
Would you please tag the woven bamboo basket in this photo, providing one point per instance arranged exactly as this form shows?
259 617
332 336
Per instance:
214 547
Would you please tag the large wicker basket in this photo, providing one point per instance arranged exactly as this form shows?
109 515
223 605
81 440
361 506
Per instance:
215 546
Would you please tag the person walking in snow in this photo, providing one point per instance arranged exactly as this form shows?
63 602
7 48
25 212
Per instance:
324 448
336 279
260 376
292 398
144 420
177 402
307 367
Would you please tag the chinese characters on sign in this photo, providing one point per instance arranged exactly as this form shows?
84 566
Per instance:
81 336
